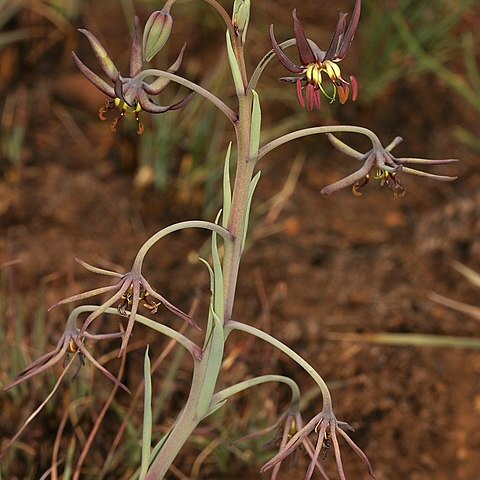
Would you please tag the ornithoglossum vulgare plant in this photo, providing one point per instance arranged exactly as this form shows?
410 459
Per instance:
316 76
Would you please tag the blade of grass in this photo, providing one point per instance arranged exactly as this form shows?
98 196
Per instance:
408 340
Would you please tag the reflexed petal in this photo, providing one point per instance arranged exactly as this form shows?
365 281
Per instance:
352 178
151 107
136 54
93 78
344 148
84 295
304 49
337 38
440 178
105 62
98 365
425 161
131 317
282 58
350 33
100 271
49 360
160 83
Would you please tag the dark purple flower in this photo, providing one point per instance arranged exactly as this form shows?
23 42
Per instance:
315 62
131 94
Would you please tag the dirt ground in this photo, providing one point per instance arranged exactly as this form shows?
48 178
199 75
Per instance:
342 264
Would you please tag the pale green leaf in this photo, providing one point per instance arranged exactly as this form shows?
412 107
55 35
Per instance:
227 188
256 125
147 417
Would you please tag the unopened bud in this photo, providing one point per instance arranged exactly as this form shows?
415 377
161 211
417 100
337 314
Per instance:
156 33
241 17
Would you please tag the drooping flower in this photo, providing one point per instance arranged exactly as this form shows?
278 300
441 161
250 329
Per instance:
380 164
327 429
314 62
71 342
130 94
130 289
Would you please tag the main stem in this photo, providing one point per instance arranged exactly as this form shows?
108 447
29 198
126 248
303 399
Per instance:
236 221
190 417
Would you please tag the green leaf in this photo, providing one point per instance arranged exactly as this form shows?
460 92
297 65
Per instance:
232 60
251 191
217 275
227 188
256 125
147 417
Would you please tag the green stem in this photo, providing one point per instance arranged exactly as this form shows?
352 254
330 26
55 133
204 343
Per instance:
206 371
226 393
327 399
227 236
236 221
315 131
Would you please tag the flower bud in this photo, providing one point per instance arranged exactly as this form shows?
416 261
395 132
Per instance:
156 33
241 16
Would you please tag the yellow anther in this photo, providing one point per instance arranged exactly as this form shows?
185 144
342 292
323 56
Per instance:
127 108
72 346
332 69
309 72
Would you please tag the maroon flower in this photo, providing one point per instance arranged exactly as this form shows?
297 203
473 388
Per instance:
315 62
131 94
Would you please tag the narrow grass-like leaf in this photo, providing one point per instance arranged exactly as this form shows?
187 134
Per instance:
251 191
217 275
409 340
234 67
147 416
471 275
210 325
227 188
256 126
214 349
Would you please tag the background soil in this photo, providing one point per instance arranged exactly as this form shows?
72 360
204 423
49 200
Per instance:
328 267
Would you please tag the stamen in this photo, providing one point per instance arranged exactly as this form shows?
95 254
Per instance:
103 109
115 122
140 126
358 185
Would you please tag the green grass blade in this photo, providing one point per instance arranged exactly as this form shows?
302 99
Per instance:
409 340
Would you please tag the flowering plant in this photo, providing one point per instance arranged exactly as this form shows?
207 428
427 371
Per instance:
131 291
